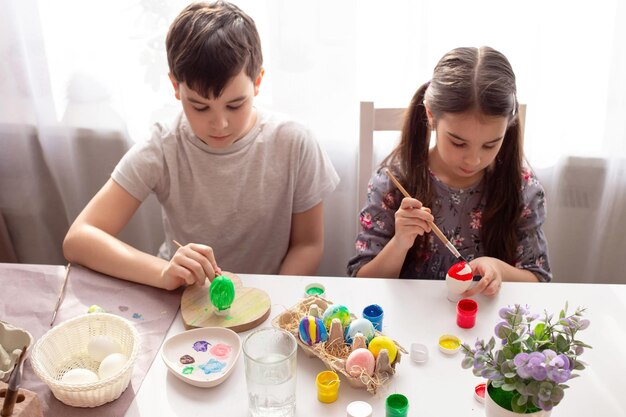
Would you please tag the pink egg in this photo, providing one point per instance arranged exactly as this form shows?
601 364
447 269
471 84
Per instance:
358 360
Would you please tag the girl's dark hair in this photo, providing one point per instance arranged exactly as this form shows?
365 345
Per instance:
468 79
209 43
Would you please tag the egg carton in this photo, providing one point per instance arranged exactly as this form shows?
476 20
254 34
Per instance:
334 357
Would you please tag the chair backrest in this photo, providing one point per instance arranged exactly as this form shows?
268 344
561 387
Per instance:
374 119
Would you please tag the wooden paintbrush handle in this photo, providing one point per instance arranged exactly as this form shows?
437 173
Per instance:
433 226
9 402
445 240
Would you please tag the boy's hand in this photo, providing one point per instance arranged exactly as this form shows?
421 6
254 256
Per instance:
411 220
491 281
191 264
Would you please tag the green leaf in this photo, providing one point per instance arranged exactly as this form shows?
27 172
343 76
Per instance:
579 343
521 339
467 363
562 314
561 343
539 330
508 353
499 357
533 388
518 408
491 344
508 387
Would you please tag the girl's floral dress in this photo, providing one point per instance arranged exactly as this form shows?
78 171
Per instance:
458 213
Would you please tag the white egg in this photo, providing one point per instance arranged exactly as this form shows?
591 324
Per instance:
102 346
111 365
79 376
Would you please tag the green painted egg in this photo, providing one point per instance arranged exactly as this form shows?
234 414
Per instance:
222 292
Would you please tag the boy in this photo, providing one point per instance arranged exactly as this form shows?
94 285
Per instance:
226 174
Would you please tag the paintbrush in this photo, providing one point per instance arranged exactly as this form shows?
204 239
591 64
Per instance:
61 293
14 384
433 226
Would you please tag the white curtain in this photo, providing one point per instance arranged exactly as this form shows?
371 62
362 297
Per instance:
74 73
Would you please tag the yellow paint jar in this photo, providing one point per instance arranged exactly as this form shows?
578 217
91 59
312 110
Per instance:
327 386
449 344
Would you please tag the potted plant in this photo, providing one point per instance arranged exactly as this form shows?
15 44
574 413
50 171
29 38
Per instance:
537 355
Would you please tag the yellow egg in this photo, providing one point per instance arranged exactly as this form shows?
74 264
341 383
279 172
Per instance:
383 342
111 365
79 376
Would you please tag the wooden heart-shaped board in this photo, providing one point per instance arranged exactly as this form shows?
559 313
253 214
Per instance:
250 307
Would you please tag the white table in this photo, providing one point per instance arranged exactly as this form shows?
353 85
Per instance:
416 311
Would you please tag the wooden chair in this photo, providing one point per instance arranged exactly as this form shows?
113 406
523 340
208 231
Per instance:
374 119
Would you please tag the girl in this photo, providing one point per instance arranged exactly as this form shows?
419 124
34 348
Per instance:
472 183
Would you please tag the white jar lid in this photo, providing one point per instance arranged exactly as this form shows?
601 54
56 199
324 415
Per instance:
359 409
419 352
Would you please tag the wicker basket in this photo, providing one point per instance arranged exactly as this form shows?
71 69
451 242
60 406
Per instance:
65 347
333 359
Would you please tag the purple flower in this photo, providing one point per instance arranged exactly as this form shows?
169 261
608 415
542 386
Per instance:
504 312
559 369
535 360
531 366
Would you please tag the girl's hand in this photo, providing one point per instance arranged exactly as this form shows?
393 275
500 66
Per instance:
191 264
411 220
491 281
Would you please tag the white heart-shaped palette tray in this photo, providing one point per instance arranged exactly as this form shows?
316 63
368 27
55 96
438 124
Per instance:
202 357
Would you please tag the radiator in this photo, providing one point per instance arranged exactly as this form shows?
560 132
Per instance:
586 220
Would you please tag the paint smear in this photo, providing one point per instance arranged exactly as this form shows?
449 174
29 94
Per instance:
187 370
201 346
212 366
186 359
137 316
221 351
123 308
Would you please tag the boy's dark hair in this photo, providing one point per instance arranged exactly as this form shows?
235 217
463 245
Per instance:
209 43
468 79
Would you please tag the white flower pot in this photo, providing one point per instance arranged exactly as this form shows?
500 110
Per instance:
494 410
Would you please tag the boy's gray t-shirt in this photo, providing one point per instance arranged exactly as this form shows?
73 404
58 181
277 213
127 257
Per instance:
238 200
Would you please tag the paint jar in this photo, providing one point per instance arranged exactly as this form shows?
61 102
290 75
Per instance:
449 344
396 405
479 392
327 383
270 368
359 409
466 310
374 313
315 289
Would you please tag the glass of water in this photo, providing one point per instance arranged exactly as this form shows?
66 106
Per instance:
270 363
